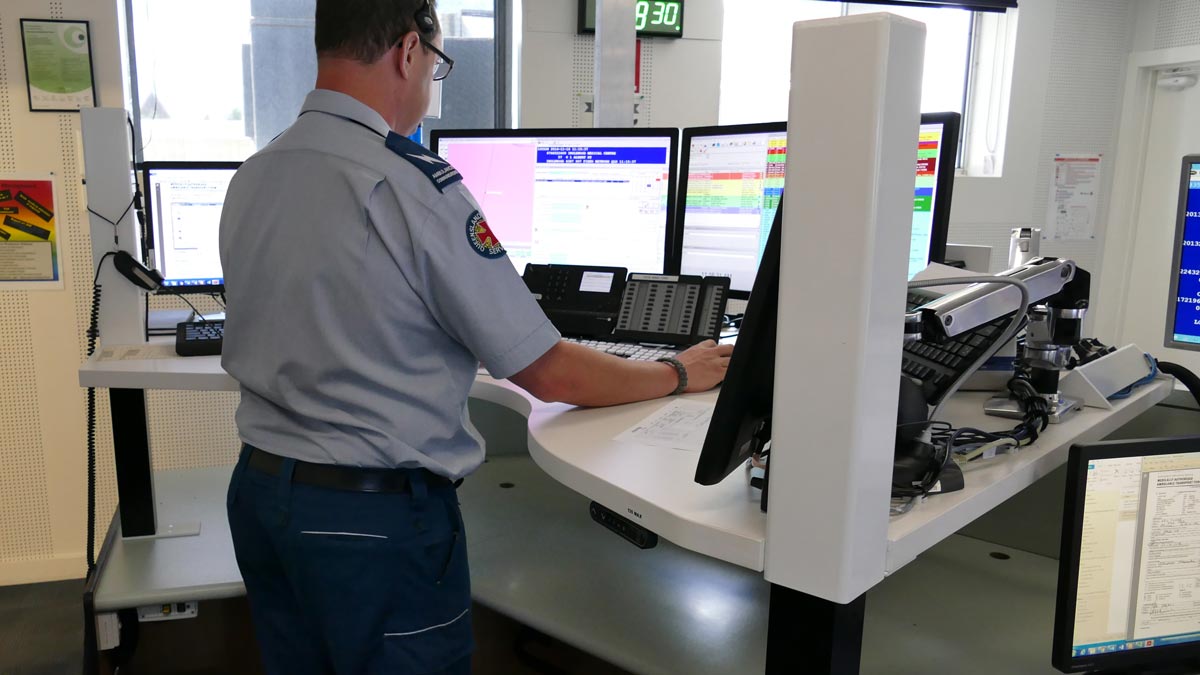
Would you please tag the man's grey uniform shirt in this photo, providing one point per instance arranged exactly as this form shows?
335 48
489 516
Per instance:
363 286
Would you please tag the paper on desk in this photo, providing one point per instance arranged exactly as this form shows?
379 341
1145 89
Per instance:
679 424
137 352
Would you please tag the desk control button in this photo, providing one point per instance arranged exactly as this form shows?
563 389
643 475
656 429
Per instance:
626 528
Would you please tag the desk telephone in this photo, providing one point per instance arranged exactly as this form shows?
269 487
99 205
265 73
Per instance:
603 303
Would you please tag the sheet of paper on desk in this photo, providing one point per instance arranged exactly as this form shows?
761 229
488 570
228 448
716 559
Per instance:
138 352
679 424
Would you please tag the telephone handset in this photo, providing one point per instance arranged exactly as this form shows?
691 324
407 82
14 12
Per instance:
672 309
580 301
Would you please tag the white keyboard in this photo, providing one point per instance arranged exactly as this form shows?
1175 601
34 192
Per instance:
629 350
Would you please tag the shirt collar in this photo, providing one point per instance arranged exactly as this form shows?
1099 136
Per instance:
344 105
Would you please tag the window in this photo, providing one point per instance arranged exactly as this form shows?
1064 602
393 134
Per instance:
756 55
219 79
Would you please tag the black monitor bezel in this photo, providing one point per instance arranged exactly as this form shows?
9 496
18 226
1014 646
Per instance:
951 125
437 135
684 166
1177 256
144 170
1069 557
747 394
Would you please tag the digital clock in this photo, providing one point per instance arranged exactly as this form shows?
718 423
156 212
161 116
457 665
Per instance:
652 18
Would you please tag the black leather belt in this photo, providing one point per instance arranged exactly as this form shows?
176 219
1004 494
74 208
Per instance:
351 478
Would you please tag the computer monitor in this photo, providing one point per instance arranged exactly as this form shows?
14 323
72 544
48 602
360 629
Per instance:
732 178
600 197
743 411
183 203
1129 566
1183 305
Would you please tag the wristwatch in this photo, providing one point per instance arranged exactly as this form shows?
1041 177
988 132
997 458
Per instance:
678 369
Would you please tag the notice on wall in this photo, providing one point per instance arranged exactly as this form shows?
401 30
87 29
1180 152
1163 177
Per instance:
29 255
58 64
1074 197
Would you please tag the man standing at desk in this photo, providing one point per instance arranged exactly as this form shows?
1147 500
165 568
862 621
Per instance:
364 286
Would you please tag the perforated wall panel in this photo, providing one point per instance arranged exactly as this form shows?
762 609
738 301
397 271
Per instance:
24 505
1178 24
8 160
24 501
1090 47
645 108
583 74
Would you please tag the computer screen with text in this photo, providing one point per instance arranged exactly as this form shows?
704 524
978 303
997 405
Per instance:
732 179
184 201
1135 555
576 197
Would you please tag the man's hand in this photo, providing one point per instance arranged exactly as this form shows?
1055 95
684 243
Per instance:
706 364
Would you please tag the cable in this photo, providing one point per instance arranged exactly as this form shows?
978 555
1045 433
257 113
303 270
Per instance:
93 332
1187 377
1128 391
179 295
1014 326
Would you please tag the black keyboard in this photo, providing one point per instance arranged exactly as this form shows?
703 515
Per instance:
199 338
936 366
916 298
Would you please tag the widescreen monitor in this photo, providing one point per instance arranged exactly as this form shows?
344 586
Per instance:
1183 305
1129 566
599 197
183 202
730 186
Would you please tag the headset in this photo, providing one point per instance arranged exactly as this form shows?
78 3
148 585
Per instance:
424 18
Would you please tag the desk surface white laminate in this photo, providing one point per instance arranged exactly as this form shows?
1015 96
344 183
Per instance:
193 373
654 486
155 571
990 482
651 486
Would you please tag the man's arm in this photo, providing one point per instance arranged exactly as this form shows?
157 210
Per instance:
579 375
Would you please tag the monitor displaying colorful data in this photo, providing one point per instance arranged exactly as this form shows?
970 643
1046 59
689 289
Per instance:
1129 566
184 200
733 177
1183 317
599 197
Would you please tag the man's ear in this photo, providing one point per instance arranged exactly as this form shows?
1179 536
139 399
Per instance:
405 54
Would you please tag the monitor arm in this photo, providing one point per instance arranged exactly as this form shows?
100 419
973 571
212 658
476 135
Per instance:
1058 301
964 310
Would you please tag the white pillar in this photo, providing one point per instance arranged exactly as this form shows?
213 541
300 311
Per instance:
616 44
853 126
108 171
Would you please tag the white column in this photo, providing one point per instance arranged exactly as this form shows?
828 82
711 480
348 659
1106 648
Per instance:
616 44
108 171
853 125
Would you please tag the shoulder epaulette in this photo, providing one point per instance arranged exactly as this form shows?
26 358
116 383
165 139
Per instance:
438 170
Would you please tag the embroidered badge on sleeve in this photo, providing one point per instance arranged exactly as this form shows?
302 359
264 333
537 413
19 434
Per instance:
480 236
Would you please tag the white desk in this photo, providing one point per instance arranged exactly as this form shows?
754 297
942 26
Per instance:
576 447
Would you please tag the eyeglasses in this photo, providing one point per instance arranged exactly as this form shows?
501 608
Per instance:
444 64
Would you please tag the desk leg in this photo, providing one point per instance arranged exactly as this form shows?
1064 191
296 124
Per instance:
806 634
131 442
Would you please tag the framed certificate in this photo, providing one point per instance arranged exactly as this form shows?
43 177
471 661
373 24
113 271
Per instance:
58 65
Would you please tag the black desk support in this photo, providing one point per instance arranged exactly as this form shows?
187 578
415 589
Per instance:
806 634
131 446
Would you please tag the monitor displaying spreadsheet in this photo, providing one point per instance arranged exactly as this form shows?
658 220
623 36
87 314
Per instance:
732 179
